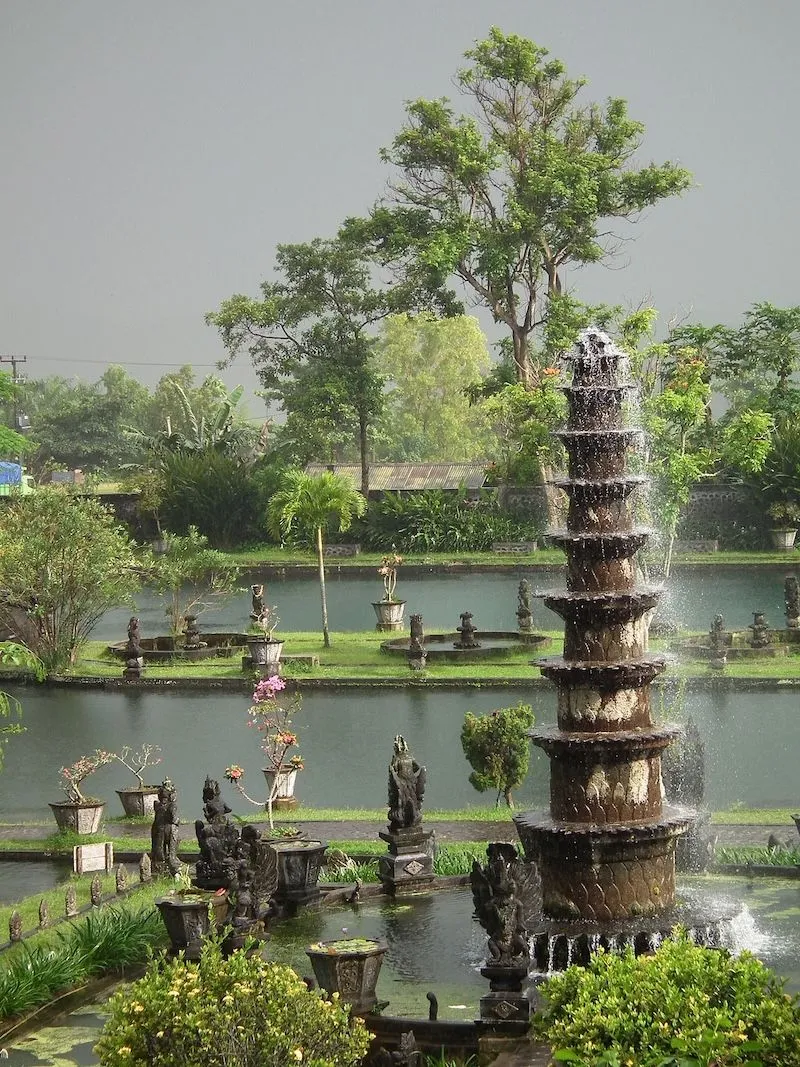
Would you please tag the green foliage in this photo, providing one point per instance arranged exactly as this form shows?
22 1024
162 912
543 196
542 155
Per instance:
759 855
497 748
108 940
778 480
211 491
523 420
438 521
506 198
240 1009
430 365
191 576
64 561
684 1005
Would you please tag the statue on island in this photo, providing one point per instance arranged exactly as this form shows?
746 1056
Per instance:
791 598
716 637
217 838
417 656
503 893
258 608
164 831
524 607
191 633
467 631
406 788
133 650
760 631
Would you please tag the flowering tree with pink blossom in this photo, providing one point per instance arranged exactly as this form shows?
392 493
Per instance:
273 720
79 771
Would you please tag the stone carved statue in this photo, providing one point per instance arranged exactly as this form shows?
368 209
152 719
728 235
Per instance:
760 631
258 607
164 831
503 893
791 598
406 788
716 636
417 656
191 633
217 838
133 649
524 606
467 630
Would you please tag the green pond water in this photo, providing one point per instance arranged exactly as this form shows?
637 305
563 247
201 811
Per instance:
434 944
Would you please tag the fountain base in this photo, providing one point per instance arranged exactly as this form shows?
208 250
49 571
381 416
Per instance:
557 944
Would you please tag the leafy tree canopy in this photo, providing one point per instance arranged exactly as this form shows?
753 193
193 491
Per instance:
505 198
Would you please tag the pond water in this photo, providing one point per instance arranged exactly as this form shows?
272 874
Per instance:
693 597
24 878
345 736
434 944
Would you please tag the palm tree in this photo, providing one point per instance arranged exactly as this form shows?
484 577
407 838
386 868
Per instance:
311 504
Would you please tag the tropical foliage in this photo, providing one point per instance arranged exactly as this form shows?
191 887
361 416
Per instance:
497 748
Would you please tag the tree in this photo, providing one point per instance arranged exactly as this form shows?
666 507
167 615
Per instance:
191 577
311 334
505 199
761 358
11 443
64 561
497 748
429 365
309 505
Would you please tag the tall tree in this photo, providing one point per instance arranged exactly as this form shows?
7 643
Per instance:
429 365
310 505
762 358
315 326
506 198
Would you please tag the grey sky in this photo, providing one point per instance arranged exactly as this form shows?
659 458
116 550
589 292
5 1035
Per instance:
155 152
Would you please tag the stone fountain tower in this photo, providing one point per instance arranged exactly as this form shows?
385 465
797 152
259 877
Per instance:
606 848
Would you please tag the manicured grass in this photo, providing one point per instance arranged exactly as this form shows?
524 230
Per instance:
753 817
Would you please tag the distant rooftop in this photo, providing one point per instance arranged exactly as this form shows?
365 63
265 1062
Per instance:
409 477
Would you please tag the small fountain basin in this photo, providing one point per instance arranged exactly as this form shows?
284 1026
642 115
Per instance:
491 645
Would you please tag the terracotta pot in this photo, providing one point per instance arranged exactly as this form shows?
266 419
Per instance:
265 654
138 801
78 818
390 614
349 970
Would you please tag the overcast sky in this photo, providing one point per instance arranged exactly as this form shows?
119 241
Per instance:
155 152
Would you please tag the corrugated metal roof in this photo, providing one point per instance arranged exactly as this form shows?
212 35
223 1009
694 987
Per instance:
408 477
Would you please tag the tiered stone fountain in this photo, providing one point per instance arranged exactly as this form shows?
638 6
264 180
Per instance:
606 848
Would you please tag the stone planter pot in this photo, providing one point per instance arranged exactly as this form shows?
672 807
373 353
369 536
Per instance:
265 654
299 864
390 614
284 787
349 968
783 538
82 818
138 801
187 918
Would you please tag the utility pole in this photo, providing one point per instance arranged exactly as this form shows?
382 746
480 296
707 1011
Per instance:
16 380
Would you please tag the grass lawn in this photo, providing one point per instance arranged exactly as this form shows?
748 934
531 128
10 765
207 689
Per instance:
356 656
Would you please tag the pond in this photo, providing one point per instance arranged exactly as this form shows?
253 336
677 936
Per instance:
345 736
693 597
434 944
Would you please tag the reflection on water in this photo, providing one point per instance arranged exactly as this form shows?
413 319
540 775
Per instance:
346 739
692 597
24 878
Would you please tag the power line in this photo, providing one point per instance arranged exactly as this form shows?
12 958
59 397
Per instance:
125 362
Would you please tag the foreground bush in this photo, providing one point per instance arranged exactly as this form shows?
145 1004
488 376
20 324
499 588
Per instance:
682 1006
241 1010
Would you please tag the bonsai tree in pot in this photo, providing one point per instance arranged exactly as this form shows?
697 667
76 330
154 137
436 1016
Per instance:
138 799
273 719
265 648
78 813
389 608
785 516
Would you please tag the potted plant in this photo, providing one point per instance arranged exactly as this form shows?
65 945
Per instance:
139 799
389 609
189 914
273 720
785 515
265 649
80 814
349 967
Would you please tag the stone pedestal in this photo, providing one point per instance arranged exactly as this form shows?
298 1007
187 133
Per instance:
408 865
506 1009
